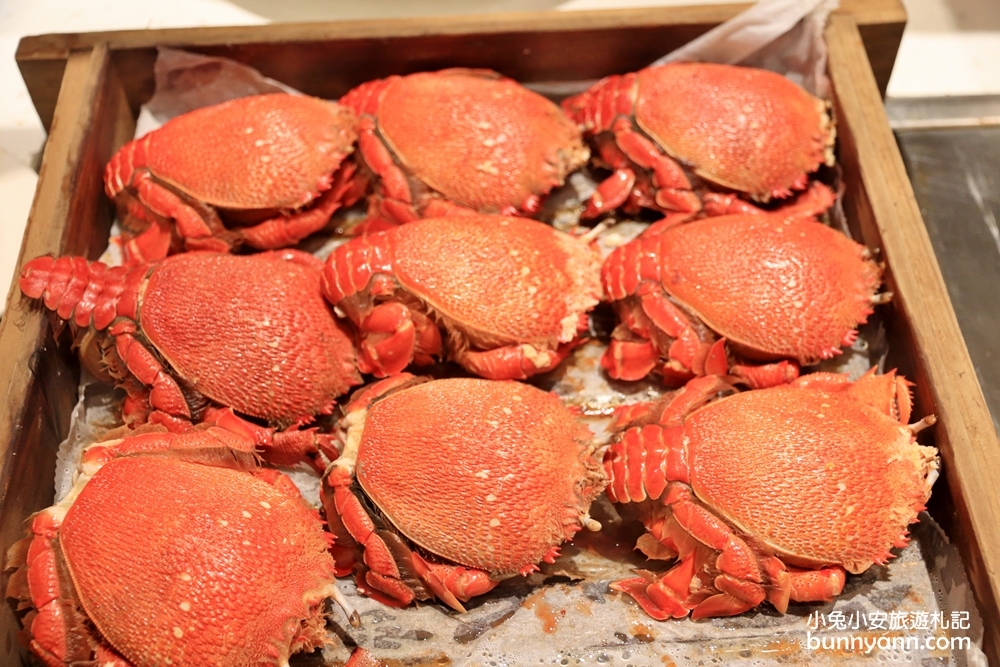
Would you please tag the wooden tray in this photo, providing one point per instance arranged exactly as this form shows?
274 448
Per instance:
88 87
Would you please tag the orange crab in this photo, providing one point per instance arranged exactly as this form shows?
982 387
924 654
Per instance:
770 494
512 294
775 285
458 140
738 128
251 333
274 162
197 558
507 471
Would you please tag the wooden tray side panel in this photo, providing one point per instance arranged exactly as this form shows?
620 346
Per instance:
331 68
319 57
70 215
883 204
326 59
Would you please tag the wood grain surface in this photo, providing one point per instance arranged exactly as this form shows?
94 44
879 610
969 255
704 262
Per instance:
70 214
924 328
328 58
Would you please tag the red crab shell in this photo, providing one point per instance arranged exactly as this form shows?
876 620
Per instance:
741 128
249 332
267 153
472 137
819 474
156 560
775 286
507 463
511 293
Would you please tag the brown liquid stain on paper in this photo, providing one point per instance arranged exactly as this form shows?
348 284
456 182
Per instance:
642 632
544 611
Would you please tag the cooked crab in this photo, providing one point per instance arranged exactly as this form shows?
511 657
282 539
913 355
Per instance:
447 487
174 549
770 494
510 294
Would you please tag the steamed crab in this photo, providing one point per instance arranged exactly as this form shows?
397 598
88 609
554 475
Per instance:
776 285
473 481
738 128
770 494
457 140
251 333
273 162
192 558
511 294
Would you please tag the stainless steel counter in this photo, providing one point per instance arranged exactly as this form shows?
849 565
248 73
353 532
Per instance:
951 147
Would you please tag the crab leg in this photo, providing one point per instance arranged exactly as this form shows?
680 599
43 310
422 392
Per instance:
164 393
687 350
462 582
673 188
387 338
662 597
766 375
816 200
629 359
451 583
281 448
397 198
615 190
740 579
193 225
442 208
58 637
821 585
281 230
149 246
381 572
392 336
686 354
513 362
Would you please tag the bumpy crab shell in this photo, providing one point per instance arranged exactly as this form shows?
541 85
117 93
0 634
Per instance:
740 128
250 332
477 139
268 153
694 110
843 494
272 151
511 293
774 286
163 561
504 461
507 462
822 474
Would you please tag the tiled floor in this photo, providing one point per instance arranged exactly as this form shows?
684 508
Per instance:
950 47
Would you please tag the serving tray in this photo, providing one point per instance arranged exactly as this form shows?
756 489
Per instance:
87 89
